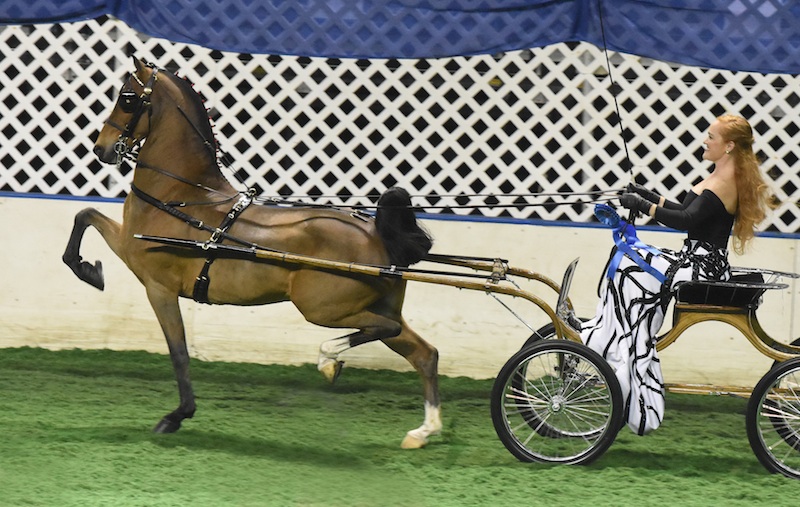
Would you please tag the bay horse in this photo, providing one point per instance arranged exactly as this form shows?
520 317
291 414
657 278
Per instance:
159 117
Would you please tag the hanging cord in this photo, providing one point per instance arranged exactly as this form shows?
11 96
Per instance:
615 89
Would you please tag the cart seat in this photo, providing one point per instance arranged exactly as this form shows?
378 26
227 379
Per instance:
740 291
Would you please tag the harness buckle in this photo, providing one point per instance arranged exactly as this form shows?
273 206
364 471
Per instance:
216 235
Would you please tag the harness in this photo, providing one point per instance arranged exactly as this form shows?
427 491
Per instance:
137 105
200 292
219 233
127 147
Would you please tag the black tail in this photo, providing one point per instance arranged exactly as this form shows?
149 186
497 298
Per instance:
405 240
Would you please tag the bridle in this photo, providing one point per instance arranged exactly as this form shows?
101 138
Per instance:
129 102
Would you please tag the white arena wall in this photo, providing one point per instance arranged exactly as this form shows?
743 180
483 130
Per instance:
44 305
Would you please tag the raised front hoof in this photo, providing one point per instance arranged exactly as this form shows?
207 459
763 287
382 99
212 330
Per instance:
331 370
89 273
413 442
167 426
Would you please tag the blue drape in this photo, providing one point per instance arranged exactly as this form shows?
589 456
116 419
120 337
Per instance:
749 35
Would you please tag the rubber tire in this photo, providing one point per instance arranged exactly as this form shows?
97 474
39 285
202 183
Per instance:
788 430
595 444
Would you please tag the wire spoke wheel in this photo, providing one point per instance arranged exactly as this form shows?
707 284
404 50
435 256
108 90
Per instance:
773 419
556 402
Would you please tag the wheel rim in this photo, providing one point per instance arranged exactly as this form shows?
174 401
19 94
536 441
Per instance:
557 405
778 423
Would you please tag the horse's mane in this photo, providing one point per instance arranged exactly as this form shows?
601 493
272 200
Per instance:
199 114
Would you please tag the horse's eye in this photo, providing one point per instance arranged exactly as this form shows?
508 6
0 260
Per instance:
128 102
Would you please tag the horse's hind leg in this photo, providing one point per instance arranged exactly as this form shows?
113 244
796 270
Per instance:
328 363
425 359
109 229
422 356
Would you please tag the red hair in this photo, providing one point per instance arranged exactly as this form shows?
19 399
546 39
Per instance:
753 193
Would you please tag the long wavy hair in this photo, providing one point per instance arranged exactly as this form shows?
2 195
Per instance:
755 197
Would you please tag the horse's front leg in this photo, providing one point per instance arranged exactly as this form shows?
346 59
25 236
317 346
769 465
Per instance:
109 229
165 304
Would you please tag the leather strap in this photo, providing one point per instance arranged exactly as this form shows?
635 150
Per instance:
218 234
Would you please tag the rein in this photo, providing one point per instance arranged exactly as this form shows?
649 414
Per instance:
207 143
127 147
199 186
595 198
130 102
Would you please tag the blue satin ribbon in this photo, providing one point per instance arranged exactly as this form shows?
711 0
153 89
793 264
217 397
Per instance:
625 238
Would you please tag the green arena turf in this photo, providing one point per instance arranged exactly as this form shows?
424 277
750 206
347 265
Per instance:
76 432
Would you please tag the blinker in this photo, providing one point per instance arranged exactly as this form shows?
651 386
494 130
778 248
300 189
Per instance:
128 101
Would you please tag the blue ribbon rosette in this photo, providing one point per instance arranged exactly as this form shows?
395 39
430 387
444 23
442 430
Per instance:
625 238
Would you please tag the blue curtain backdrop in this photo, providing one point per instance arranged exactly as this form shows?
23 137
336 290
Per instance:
749 35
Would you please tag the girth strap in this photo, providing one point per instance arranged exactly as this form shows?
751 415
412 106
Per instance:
201 283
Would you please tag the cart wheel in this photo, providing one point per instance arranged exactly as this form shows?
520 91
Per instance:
773 419
557 401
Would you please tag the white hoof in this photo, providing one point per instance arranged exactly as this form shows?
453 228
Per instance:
330 369
412 441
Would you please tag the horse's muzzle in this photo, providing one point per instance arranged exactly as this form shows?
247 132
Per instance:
106 154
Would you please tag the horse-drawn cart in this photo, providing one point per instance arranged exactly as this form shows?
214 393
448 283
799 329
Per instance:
557 401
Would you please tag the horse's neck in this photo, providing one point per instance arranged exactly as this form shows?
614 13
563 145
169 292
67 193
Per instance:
180 154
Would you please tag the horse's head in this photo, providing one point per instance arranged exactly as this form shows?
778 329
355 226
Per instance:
129 121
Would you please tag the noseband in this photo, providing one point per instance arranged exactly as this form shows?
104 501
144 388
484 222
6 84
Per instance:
131 103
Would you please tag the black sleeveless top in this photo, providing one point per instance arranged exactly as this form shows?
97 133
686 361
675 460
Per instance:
704 217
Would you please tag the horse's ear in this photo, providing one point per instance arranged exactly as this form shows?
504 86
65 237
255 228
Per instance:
138 63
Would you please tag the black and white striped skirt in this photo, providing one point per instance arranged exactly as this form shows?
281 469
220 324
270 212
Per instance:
629 316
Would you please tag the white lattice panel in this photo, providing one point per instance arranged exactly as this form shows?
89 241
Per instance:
537 121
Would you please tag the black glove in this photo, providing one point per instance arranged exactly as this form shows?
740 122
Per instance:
647 194
635 202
